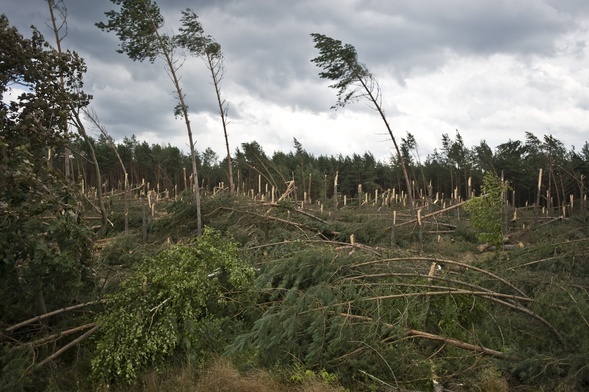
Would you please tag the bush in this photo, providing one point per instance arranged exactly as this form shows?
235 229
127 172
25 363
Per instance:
158 310
485 211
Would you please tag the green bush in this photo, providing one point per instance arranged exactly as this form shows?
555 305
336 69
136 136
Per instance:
485 211
159 309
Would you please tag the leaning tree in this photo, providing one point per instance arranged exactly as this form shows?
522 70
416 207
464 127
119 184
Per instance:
138 25
193 39
44 249
353 81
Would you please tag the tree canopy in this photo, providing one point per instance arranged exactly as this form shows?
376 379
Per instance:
44 252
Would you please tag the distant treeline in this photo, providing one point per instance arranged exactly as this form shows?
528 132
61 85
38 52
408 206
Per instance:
447 171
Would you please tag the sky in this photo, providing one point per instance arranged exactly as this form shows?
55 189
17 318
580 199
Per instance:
491 69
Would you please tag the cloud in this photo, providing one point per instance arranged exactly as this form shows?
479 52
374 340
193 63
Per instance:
491 68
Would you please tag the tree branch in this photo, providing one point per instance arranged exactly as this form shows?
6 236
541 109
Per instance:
53 313
66 347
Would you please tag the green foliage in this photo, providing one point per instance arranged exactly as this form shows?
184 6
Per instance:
192 38
315 316
340 64
486 210
136 25
159 309
300 375
45 250
13 364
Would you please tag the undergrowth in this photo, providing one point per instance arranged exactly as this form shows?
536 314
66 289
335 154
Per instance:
338 302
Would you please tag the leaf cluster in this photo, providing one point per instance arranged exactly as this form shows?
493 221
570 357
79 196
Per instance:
34 119
340 64
159 309
44 247
486 210
193 39
136 24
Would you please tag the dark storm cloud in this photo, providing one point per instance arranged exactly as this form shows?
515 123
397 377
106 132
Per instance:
268 49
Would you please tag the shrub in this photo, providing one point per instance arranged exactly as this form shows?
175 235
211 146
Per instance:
158 310
485 211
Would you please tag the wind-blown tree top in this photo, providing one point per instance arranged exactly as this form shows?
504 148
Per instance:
340 64
353 82
136 25
191 34
193 39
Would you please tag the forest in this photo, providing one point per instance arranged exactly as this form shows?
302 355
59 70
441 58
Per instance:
126 266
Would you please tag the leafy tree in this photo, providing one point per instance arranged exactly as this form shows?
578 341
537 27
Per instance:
210 160
44 250
486 211
159 310
138 24
512 159
484 157
193 39
353 81
458 160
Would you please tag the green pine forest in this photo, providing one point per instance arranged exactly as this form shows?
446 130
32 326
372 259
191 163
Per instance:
126 266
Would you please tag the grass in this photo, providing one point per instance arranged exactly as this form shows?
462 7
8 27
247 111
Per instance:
221 375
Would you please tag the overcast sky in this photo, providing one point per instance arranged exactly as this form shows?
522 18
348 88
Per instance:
493 69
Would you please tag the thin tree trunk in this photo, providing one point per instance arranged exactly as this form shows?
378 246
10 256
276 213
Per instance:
41 307
217 76
65 348
103 213
398 151
184 108
335 198
94 119
66 154
538 195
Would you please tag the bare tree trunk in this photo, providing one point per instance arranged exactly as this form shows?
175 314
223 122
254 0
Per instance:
184 109
103 214
216 69
56 29
92 116
374 101
538 195
335 198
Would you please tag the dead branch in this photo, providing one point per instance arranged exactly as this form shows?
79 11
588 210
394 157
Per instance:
534 315
66 347
445 291
355 245
289 189
435 213
444 261
484 293
59 335
299 226
339 244
53 313
477 290
430 336
558 219
297 210
539 261
456 343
